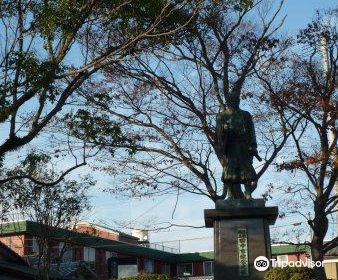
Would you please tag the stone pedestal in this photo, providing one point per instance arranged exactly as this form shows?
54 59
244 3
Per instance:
241 234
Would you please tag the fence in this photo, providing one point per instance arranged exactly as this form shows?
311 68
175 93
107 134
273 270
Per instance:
160 247
198 278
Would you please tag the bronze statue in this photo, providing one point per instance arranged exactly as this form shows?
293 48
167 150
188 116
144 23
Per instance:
236 146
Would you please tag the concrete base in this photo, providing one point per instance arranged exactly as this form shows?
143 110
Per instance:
241 233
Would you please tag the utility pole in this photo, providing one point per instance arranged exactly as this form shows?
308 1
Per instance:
325 57
331 129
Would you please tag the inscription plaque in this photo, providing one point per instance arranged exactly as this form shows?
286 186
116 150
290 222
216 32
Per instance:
242 249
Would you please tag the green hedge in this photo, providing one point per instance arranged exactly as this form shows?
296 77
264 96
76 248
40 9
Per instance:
149 277
290 273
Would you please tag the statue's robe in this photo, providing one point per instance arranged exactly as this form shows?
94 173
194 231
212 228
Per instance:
235 143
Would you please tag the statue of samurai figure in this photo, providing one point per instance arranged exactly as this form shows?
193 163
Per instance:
236 146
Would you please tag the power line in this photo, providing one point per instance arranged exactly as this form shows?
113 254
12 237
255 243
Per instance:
187 239
146 212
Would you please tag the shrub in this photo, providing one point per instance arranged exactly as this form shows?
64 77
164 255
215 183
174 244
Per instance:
290 273
298 276
149 277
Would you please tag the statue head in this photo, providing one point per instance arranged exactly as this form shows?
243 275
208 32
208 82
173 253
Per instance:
233 100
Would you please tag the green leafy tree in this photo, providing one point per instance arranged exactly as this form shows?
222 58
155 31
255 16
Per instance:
50 49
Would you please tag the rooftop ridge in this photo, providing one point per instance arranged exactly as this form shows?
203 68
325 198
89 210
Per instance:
107 228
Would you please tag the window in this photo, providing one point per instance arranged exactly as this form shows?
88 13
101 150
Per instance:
9 242
184 269
89 257
35 245
127 270
208 268
148 266
110 255
282 258
166 269
65 251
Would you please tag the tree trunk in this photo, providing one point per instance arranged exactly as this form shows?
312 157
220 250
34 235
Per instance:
317 255
320 227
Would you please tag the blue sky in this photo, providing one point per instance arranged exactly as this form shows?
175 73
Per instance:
300 12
